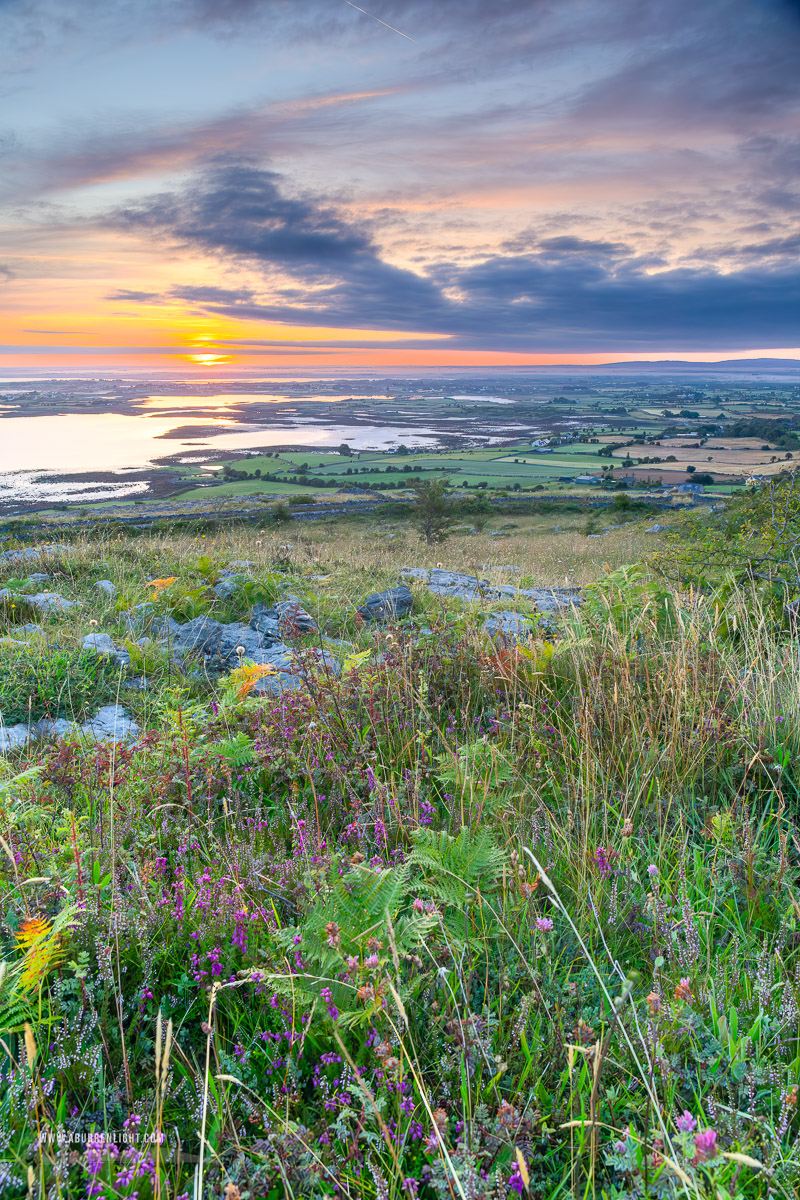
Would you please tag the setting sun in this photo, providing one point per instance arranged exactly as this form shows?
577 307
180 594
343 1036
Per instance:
209 360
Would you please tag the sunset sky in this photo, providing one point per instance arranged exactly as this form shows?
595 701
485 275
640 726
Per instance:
212 184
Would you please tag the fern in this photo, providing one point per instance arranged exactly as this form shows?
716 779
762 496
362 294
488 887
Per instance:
237 751
365 911
456 868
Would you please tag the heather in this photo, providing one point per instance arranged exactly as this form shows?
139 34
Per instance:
455 915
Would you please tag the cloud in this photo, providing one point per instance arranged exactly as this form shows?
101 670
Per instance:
138 297
569 293
6 273
243 213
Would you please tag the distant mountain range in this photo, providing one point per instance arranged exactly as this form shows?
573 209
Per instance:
735 364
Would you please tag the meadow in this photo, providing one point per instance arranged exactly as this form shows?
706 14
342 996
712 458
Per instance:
457 913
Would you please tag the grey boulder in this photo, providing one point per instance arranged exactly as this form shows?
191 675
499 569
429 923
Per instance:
459 586
29 554
389 605
106 587
202 633
276 685
238 642
111 723
48 727
293 617
226 588
51 602
508 627
265 622
101 643
285 617
13 737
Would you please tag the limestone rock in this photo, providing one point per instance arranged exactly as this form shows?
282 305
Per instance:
31 554
111 723
57 728
226 588
293 617
101 643
13 737
508 627
276 685
235 636
389 605
106 587
51 602
202 633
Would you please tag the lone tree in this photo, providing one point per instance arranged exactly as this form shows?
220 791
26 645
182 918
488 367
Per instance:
433 511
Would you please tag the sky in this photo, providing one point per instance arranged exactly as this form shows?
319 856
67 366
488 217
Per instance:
209 185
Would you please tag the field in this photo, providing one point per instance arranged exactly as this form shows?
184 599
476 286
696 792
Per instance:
444 912
719 457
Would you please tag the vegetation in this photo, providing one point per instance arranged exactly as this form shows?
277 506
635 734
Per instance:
464 918
433 511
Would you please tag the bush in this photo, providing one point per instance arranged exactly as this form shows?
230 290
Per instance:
59 682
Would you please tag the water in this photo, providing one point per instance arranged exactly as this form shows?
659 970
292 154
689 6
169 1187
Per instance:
74 443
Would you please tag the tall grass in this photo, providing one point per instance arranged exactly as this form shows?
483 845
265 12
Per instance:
468 920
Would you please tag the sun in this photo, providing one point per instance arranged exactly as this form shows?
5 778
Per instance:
209 360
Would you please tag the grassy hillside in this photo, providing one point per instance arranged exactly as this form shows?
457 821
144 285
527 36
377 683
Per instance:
453 914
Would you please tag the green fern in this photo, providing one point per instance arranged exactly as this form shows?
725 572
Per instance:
237 751
364 911
456 868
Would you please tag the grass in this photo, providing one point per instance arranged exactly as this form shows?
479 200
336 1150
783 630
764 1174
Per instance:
466 920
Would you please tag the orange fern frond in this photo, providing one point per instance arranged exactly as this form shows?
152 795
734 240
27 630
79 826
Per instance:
160 585
247 676
41 948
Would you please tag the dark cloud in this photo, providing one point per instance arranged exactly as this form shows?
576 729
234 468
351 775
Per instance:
569 244
6 272
568 294
242 213
211 295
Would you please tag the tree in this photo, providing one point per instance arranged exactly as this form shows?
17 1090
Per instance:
433 510
690 470
345 450
281 512
757 536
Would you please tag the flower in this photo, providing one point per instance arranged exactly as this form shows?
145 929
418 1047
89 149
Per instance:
507 1114
544 924
652 870
333 935
705 1146
683 991
654 1003
686 1123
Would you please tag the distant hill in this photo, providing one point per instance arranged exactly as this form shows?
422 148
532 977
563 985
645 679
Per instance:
727 364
